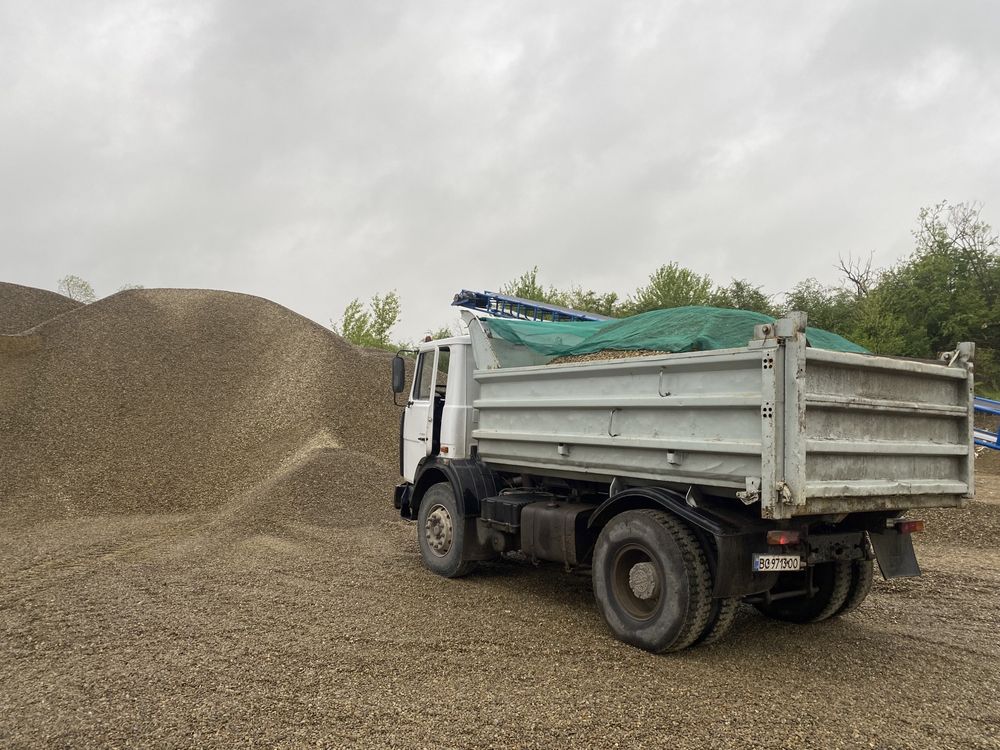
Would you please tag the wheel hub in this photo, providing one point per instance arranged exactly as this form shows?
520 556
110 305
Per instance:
642 580
635 581
439 530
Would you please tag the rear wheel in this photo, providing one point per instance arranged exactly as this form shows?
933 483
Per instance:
441 532
651 581
832 581
862 574
720 620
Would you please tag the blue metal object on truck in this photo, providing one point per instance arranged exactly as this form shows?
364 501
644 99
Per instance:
983 436
507 306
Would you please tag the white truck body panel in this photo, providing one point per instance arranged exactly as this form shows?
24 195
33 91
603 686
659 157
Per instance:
807 431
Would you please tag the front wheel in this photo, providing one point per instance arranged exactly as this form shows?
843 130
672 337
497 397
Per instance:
441 532
651 580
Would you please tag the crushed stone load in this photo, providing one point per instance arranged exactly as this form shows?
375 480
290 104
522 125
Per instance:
24 307
606 354
169 399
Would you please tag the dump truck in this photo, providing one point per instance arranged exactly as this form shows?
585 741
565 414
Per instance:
774 473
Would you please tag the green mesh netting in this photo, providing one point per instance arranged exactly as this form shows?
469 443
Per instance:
679 329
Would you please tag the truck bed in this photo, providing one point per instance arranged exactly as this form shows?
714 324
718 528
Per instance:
805 431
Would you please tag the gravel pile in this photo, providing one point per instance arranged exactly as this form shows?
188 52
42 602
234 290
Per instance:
198 549
168 400
24 307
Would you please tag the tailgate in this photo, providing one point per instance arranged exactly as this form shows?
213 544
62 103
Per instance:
866 432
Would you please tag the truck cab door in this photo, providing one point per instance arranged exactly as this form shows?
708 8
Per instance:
418 419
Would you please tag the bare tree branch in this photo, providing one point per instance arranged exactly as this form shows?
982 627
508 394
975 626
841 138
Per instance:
859 273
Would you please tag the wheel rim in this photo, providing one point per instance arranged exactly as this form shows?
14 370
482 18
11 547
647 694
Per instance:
636 581
439 531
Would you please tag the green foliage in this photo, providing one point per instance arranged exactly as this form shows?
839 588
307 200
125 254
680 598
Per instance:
76 288
828 307
742 295
128 287
527 286
948 290
587 301
876 325
670 285
370 327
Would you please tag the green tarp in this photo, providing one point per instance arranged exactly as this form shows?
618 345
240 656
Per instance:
679 329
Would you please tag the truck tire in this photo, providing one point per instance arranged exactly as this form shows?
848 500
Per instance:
441 532
862 574
833 579
720 620
651 580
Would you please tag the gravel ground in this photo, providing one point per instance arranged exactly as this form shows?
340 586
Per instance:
23 307
257 589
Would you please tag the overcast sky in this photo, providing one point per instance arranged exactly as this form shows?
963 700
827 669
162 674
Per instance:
312 152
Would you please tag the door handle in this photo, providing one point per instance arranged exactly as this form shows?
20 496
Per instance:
422 439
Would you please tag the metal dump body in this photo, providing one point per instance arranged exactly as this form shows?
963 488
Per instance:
806 431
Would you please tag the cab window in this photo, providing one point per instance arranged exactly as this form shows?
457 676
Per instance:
441 375
425 376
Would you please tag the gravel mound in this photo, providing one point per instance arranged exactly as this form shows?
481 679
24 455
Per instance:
177 400
24 307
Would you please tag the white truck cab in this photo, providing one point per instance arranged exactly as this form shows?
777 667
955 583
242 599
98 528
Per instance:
438 416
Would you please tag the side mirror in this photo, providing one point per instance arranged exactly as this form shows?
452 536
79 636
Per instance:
398 374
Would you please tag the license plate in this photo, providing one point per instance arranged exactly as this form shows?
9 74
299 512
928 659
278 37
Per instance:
776 563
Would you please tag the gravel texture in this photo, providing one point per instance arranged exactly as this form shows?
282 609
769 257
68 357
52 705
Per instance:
604 355
172 400
198 548
24 307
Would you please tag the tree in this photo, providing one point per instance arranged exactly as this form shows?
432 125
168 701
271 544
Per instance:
828 307
127 287
370 327
527 286
444 332
859 274
742 295
671 285
947 290
589 301
876 325
960 230
76 288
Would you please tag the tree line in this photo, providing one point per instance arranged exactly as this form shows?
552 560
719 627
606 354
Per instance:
945 291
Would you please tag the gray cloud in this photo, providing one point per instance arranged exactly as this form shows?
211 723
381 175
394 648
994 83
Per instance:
316 152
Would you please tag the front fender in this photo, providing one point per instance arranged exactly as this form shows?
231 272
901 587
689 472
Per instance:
470 480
